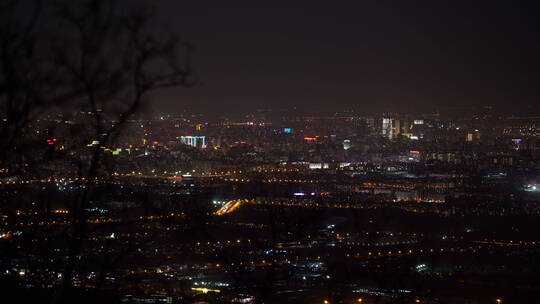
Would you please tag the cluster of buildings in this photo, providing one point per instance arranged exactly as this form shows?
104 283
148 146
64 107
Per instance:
271 207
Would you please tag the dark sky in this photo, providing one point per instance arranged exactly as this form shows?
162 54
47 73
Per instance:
363 54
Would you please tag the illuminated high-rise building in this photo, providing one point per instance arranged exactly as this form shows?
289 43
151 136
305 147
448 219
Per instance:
390 127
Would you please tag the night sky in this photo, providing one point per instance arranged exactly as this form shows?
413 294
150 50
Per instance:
372 55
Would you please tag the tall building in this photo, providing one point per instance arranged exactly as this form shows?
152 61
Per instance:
391 127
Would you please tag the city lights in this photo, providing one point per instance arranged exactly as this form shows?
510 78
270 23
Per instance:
314 152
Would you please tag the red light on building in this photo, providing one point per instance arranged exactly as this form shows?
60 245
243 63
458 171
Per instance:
414 152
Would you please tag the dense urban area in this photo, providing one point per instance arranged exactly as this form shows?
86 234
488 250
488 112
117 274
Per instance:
276 207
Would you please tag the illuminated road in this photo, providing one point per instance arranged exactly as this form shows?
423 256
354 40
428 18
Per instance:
230 206
233 205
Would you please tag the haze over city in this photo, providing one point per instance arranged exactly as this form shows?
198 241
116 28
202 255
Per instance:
362 55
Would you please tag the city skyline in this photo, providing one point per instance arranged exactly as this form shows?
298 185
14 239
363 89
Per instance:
205 152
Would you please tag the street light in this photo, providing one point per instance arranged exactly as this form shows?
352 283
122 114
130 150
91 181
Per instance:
498 301
360 300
